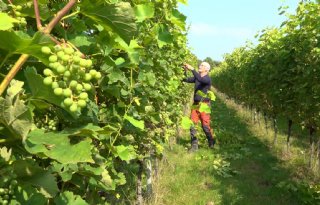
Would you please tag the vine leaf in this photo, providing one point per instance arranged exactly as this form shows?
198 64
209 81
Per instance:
38 89
68 197
118 18
21 43
144 11
15 116
6 22
29 172
126 153
61 147
134 122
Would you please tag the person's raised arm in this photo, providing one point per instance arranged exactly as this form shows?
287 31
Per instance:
186 79
204 80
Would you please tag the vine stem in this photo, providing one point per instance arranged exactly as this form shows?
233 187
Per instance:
59 16
5 60
70 15
23 58
37 14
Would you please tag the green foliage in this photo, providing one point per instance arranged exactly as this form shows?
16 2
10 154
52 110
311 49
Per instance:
305 193
16 117
118 18
7 22
278 76
144 11
119 63
59 147
67 197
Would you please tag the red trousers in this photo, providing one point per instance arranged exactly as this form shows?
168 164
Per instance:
204 118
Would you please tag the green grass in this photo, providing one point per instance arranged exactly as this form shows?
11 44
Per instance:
255 168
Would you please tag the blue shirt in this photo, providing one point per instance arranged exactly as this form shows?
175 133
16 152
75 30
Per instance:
200 83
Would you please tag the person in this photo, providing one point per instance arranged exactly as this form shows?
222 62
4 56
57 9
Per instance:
202 83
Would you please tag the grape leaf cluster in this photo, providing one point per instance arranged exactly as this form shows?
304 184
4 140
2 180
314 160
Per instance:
69 75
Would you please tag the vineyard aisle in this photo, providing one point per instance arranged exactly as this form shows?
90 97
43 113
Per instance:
240 170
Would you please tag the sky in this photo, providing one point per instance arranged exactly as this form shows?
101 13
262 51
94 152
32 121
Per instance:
219 26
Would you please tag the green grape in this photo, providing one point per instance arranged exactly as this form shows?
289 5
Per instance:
83 96
61 69
55 85
2 191
54 128
18 13
52 65
97 76
87 86
6 196
53 58
62 84
83 62
78 53
79 87
73 84
76 59
47 81
73 107
5 202
65 58
67 74
67 92
82 103
23 23
87 77
93 73
82 72
47 72
89 63
60 54
57 48
68 102
68 50
75 67
58 91
45 50
18 8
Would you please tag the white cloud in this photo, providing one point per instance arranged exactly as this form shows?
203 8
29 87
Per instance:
206 30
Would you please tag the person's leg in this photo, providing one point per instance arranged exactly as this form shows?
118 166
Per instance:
205 122
195 119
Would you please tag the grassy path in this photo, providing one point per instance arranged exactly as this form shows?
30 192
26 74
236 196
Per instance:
240 170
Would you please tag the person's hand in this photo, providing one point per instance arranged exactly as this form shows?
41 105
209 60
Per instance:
189 67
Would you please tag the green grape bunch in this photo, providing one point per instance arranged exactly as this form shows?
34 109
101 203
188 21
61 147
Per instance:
47 123
69 75
16 12
8 183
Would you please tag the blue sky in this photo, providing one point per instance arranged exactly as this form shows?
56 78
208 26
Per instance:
219 26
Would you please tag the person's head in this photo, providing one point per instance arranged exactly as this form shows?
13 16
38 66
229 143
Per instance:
204 67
